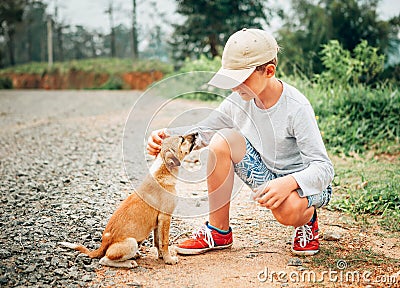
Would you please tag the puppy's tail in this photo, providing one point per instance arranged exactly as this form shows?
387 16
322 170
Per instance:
92 254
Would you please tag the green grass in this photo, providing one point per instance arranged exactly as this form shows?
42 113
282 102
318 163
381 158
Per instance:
206 92
368 190
96 65
355 119
330 255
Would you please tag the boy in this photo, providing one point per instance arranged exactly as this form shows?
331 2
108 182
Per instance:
268 136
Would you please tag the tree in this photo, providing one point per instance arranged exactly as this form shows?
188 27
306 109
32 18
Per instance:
156 47
135 50
315 22
209 23
110 12
30 34
123 36
11 12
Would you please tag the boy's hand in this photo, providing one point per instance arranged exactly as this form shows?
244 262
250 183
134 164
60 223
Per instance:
154 141
272 194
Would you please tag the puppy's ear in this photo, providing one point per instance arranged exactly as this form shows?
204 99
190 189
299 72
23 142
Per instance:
171 160
192 139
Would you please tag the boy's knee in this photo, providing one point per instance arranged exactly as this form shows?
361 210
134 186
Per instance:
219 142
284 219
230 143
289 213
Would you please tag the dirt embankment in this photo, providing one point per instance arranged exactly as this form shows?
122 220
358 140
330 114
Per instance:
75 79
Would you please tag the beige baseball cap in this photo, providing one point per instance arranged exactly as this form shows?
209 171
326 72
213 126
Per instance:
243 52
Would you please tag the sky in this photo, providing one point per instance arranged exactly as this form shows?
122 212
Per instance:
90 13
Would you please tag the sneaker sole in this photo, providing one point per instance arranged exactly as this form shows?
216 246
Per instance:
305 253
186 251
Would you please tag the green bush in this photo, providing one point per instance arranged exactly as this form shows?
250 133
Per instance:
201 64
353 116
113 83
5 83
344 68
359 118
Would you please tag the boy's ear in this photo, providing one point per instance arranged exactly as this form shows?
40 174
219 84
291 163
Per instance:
270 70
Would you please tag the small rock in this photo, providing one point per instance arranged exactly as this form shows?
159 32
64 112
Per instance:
110 273
30 268
41 188
87 278
134 284
302 268
82 260
295 262
3 279
59 272
332 236
4 254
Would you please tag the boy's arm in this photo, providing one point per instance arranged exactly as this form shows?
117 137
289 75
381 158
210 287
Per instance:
218 119
319 172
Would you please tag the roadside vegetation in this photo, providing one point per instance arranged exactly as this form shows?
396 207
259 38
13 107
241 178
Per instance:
112 67
97 65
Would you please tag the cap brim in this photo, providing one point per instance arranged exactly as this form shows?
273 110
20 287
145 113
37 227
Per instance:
228 79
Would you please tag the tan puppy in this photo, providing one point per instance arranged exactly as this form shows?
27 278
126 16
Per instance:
149 209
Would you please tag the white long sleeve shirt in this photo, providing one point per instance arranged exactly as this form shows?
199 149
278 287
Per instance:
286 135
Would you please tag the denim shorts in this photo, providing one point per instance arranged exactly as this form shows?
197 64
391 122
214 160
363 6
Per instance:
253 171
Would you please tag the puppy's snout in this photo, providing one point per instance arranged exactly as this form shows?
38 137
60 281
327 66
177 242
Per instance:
171 159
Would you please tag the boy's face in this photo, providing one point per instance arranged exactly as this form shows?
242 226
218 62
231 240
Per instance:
257 82
251 87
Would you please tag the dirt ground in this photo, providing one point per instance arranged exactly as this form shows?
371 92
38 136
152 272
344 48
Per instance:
362 256
261 246
261 250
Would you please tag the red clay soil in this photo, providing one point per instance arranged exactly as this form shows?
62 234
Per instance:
80 80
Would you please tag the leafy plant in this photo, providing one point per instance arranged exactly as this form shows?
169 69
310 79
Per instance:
344 69
201 64
360 118
5 83
356 118
390 220
379 196
113 83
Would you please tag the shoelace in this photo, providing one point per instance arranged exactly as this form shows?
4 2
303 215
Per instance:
305 235
204 230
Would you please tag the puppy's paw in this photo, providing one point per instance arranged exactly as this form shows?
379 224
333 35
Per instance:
133 264
118 264
154 252
138 255
171 260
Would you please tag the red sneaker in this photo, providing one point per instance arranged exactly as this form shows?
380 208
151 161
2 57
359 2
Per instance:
305 238
205 239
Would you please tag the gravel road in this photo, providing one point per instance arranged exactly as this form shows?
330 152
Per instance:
62 176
